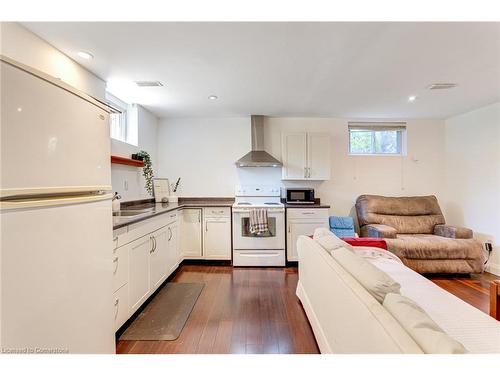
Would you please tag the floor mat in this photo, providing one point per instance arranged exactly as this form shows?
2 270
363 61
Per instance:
166 314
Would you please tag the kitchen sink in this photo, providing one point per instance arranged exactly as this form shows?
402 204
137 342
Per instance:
130 212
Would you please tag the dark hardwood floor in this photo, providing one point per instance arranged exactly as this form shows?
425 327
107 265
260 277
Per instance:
474 290
241 310
255 310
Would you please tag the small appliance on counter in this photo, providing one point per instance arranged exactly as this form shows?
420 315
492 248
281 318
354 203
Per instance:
300 196
161 189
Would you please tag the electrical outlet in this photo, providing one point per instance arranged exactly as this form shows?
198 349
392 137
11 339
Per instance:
488 246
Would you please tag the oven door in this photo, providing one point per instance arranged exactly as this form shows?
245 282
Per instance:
274 238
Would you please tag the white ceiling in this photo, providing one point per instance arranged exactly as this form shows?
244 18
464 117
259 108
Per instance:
350 70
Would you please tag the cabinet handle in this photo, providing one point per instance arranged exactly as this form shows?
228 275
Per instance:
307 213
199 216
206 226
170 234
172 215
117 301
115 261
153 245
289 229
305 172
115 239
308 172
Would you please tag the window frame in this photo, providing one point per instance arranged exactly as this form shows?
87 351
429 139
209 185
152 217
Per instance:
373 128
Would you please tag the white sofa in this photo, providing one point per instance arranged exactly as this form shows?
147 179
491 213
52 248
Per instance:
345 318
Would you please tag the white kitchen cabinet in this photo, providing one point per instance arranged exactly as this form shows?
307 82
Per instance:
303 222
173 249
305 156
217 238
139 280
121 306
294 155
159 257
217 233
318 156
190 233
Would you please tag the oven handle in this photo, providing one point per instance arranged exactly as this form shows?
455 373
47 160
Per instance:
260 255
269 211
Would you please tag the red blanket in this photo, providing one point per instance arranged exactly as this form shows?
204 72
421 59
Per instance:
366 241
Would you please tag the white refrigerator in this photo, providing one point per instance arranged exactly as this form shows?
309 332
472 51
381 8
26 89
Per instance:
55 217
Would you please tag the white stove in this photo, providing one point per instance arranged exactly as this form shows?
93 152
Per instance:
263 249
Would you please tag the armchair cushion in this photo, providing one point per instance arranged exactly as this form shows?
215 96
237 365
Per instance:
378 231
451 231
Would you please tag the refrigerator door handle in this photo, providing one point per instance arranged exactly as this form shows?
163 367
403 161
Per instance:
12 204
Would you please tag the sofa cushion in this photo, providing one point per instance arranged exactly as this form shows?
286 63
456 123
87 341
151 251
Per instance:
329 241
428 246
419 325
405 214
375 281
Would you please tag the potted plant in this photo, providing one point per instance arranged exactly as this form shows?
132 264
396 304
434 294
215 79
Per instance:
147 170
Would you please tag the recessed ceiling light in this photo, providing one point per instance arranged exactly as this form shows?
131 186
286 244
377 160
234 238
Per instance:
213 97
85 55
412 98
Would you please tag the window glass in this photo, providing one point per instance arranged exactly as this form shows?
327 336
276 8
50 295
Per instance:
376 139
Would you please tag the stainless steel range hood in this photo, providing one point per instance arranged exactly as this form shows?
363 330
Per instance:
258 157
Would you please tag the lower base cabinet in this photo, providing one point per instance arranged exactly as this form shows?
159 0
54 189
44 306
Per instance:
139 272
217 238
121 306
151 259
206 233
302 222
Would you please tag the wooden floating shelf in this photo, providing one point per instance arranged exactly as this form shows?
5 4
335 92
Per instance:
126 161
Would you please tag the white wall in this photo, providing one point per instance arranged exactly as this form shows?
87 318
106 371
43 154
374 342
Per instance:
202 151
127 180
22 45
472 173
352 176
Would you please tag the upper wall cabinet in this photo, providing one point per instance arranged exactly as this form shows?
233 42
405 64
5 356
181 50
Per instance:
305 156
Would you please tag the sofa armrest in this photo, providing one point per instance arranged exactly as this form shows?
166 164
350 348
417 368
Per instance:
451 231
378 231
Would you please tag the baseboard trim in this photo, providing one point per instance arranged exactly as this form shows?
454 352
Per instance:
493 268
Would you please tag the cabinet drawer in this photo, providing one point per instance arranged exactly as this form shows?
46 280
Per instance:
119 237
120 304
259 258
307 213
217 211
120 267
171 217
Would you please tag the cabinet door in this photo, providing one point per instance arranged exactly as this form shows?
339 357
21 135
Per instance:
318 156
296 229
190 233
139 285
173 248
159 257
217 238
294 156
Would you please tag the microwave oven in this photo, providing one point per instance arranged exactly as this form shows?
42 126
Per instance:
300 196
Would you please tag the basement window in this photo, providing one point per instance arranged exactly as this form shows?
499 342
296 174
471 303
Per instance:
377 138
123 126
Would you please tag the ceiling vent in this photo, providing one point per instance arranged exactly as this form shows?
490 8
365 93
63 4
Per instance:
442 86
148 83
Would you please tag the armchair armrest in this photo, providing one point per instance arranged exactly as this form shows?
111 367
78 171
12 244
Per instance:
378 231
450 231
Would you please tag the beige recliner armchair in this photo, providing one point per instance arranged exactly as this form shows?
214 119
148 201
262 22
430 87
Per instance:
415 230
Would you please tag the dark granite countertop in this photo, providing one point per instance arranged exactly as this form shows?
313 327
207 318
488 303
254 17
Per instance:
153 209
317 204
